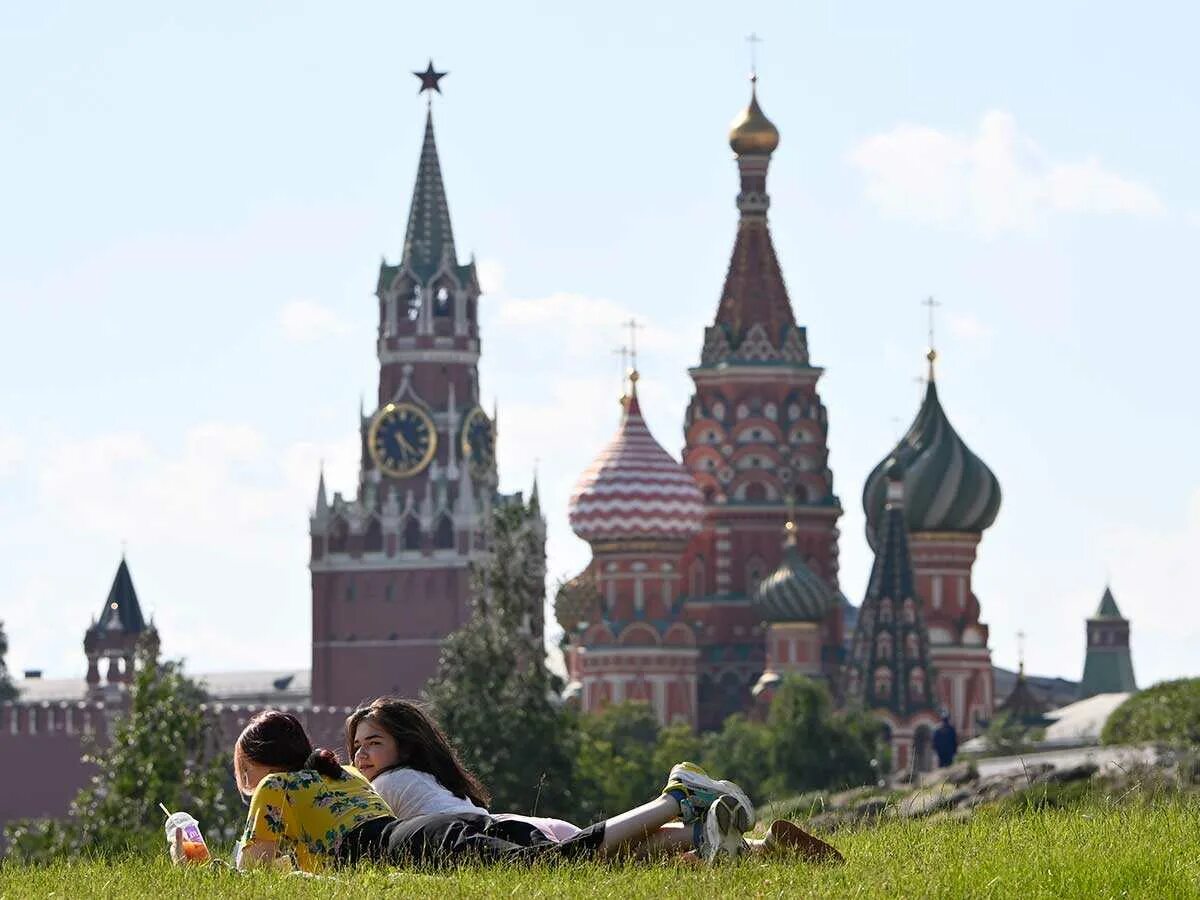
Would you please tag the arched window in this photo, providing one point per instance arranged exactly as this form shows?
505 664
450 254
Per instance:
755 492
412 533
443 536
883 681
414 304
912 646
373 539
883 645
441 303
337 536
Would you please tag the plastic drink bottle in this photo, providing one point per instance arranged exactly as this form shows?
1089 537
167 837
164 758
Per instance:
194 848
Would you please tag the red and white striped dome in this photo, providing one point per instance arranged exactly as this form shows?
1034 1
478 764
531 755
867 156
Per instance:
635 490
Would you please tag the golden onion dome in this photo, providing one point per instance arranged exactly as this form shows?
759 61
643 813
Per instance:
752 132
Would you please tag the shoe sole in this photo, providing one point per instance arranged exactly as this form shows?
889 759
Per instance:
726 822
788 836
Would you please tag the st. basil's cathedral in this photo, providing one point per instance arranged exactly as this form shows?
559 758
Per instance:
711 577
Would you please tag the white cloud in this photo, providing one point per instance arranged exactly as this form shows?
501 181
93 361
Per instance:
12 453
304 321
997 179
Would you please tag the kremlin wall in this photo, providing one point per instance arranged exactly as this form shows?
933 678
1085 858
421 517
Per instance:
711 576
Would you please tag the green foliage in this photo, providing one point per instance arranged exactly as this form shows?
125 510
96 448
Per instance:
813 747
1168 712
616 770
161 750
740 751
493 694
8 690
1007 736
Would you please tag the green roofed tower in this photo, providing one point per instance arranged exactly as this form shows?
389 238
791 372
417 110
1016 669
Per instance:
1108 668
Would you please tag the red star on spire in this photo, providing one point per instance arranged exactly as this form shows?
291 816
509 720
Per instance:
429 79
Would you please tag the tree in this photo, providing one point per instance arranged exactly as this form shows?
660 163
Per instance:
616 768
813 747
162 749
739 752
1006 735
1168 712
493 693
8 690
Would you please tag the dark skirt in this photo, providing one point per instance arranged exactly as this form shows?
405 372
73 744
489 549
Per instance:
453 838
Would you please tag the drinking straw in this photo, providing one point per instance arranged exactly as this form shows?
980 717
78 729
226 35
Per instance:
166 812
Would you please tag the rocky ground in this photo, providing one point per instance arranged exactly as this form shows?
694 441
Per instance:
1037 781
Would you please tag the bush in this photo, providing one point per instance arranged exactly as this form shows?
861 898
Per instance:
162 750
1167 713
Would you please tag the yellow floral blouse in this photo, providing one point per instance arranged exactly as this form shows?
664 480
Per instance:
306 814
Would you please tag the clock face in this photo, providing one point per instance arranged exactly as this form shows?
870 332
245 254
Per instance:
478 442
402 439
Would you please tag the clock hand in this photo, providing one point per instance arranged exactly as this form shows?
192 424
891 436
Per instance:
404 443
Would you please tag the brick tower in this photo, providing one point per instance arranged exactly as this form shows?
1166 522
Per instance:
115 637
637 508
1108 667
755 440
390 565
951 498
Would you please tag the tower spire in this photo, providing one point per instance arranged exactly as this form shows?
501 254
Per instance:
429 239
754 296
931 354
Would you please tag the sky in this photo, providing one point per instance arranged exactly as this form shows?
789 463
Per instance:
196 200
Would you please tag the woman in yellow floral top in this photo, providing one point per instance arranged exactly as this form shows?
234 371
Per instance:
302 803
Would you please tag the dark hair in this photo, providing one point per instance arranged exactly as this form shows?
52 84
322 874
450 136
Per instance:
422 746
275 738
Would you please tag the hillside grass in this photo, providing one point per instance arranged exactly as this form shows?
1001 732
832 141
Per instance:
1094 850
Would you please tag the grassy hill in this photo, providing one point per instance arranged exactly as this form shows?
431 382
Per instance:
1096 849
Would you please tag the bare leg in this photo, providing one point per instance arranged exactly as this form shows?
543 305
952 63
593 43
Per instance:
638 825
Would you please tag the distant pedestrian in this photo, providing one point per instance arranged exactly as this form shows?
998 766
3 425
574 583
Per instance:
945 742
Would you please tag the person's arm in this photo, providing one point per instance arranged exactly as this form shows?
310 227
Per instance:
264 826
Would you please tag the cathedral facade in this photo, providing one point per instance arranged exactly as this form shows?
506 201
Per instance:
724 585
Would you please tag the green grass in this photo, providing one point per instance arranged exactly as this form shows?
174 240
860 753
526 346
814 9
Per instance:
1094 850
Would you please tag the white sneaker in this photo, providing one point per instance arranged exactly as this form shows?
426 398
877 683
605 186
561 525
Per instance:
724 826
696 792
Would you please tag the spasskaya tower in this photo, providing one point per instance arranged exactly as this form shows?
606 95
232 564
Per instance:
390 565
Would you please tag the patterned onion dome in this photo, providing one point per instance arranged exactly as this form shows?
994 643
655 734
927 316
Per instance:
946 486
635 490
793 592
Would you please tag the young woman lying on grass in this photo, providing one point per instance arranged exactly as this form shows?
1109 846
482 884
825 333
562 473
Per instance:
412 765
309 810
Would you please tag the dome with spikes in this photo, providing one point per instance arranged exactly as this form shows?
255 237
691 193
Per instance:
793 592
752 131
635 490
946 486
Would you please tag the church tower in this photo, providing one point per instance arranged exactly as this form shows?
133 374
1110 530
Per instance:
390 565
952 497
755 440
1108 667
890 671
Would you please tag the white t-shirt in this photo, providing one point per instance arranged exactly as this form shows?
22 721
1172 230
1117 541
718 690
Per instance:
410 792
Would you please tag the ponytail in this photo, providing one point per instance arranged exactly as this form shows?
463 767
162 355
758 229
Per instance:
325 763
